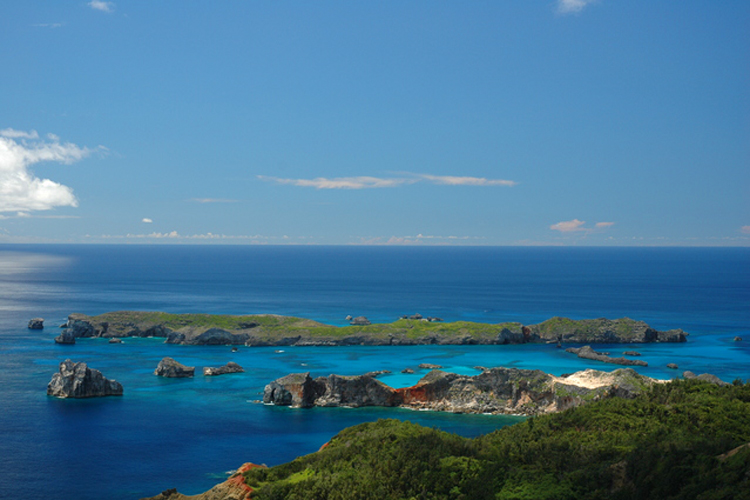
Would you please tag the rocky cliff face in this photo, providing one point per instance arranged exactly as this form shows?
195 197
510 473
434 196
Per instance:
496 390
77 380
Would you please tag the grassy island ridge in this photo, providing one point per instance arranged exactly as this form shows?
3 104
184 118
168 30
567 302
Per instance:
268 329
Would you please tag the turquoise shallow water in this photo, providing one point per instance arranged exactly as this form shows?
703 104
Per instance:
187 433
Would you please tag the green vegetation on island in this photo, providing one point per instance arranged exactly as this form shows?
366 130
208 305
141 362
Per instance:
274 330
682 440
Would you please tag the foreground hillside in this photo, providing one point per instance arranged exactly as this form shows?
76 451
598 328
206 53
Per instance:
683 440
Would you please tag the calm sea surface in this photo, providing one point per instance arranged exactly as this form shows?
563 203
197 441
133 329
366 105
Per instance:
188 433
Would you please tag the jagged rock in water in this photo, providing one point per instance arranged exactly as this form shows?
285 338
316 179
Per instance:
65 337
77 380
631 353
738 339
672 366
586 352
115 340
36 323
230 367
429 366
168 367
407 370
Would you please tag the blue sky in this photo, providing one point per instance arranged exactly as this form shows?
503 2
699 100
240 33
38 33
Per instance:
550 122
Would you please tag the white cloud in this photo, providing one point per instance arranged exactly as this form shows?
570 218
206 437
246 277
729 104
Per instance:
466 181
19 190
367 182
147 220
569 226
108 7
570 6
363 182
47 25
745 229
604 225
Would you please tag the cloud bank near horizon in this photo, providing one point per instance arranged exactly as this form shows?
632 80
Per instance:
368 182
20 190
575 225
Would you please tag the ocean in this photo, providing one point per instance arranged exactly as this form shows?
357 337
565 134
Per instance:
188 433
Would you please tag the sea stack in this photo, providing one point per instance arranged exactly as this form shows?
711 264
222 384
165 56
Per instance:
36 323
77 380
170 368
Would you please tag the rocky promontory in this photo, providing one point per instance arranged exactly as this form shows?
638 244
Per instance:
77 380
273 330
495 390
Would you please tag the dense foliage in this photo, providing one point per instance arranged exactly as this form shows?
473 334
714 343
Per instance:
669 443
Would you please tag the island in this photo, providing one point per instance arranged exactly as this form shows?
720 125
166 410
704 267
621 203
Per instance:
275 330
494 391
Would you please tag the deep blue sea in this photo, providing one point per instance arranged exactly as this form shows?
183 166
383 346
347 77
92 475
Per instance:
187 433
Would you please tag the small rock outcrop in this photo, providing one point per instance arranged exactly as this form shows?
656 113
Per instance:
738 339
65 338
170 368
36 323
360 321
77 380
586 352
429 366
230 367
631 353
672 366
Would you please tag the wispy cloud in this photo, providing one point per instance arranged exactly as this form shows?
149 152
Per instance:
212 200
147 220
363 182
575 225
368 182
571 6
451 180
19 134
108 7
20 191
46 25
745 229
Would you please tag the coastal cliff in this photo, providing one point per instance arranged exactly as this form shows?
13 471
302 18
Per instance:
274 330
495 390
